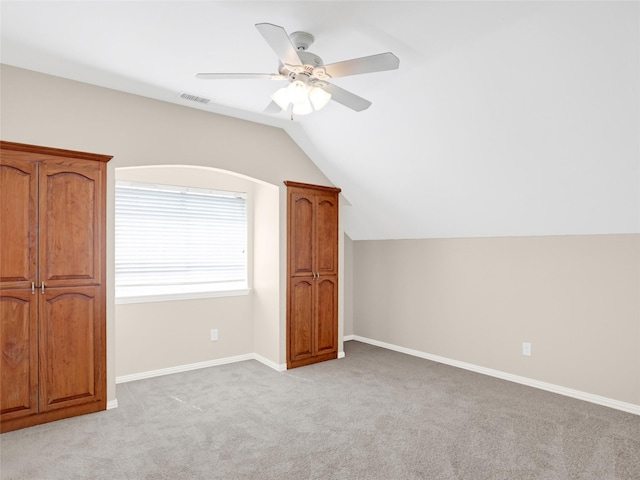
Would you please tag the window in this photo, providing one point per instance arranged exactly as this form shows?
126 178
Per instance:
178 242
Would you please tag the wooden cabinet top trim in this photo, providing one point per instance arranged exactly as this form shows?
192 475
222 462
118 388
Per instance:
52 152
291 184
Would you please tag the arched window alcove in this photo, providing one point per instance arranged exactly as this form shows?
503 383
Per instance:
158 336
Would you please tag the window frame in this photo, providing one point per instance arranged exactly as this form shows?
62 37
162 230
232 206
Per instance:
196 292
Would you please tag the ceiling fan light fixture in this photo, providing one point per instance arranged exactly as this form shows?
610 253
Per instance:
319 98
298 92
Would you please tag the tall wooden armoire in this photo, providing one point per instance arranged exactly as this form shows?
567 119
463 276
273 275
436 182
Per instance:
52 284
312 273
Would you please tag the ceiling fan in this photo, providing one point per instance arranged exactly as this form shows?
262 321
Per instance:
308 88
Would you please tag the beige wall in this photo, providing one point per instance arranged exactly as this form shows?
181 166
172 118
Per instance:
575 298
266 274
347 280
51 111
159 335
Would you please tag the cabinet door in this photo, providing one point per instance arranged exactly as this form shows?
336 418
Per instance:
301 224
72 347
19 359
301 319
18 211
71 222
326 335
326 234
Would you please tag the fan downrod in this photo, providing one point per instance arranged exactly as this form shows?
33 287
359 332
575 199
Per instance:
301 40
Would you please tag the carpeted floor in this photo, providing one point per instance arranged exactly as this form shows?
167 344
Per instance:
375 414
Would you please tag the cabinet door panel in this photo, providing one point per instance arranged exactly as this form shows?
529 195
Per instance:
326 233
70 223
18 210
326 311
301 319
19 360
301 224
71 347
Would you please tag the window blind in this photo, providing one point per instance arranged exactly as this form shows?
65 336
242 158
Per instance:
173 240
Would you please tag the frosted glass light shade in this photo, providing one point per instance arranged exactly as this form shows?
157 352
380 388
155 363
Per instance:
303 108
304 98
281 98
298 92
319 98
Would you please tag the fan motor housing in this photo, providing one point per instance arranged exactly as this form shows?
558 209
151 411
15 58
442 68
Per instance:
309 62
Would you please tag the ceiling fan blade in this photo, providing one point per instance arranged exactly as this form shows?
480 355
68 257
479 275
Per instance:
279 42
241 76
348 99
356 66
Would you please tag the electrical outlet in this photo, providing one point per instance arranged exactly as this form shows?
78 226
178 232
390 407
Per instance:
526 349
214 335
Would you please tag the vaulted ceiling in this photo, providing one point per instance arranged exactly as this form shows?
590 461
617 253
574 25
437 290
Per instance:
504 118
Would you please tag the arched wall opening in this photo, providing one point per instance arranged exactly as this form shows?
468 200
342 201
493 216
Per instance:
175 334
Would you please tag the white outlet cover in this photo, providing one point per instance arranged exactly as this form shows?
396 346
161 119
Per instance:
526 349
214 335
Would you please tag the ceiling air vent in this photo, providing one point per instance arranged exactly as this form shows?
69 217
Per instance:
194 98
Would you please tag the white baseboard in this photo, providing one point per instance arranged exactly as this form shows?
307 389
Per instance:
278 367
346 338
195 366
340 354
569 392
111 404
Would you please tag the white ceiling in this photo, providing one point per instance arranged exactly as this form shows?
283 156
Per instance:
504 118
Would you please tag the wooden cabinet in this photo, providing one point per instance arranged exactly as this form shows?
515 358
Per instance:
312 267
52 284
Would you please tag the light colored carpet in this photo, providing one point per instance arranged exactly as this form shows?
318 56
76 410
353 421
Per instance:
375 414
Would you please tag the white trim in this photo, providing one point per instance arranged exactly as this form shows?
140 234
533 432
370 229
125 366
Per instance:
166 297
569 392
183 368
111 404
278 367
346 338
195 366
340 354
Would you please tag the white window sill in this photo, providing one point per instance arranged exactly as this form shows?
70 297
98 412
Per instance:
168 297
